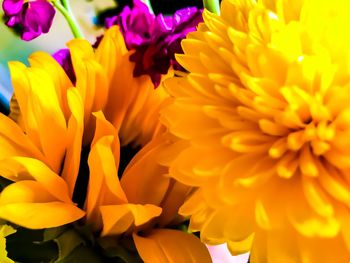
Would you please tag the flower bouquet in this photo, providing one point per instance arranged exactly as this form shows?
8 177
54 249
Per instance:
180 129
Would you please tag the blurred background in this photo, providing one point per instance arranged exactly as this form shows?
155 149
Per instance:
13 48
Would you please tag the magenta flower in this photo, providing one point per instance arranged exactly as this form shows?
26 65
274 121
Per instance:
155 39
63 58
33 17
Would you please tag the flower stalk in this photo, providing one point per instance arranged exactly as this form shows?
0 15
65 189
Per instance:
64 7
212 6
149 5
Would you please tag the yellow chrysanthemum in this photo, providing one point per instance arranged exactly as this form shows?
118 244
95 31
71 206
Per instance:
265 112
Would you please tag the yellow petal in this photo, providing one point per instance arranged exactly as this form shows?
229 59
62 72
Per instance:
41 215
175 198
116 108
240 247
60 79
29 204
25 191
15 112
46 108
165 245
104 187
307 222
91 80
22 87
39 104
14 142
75 135
143 173
288 252
23 168
118 218
112 45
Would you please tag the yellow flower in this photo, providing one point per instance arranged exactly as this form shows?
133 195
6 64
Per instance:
105 81
106 78
38 158
142 205
66 135
42 152
265 112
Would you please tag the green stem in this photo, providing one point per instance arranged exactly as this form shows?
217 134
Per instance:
212 5
65 9
148 3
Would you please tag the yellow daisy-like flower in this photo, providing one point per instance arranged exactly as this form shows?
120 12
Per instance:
39 159
130 104
143 205
265 111
66 137
104 78
41 153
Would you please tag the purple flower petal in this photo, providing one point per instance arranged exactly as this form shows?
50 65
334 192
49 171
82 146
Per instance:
155 39
12 7
34 17
64 58
39 15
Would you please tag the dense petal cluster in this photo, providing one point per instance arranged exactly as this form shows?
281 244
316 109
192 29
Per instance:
155 39
265 112
33 18
134 112
63 152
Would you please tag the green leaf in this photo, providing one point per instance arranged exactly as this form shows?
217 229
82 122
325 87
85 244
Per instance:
29 252
74 244
67 242
122 250
53 233
5 230
80 254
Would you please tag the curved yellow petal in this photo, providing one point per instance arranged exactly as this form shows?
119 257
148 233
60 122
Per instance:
29 204
165 245
41 215
60 79
135 104
75 136
118 218
144 173
240 247
14 142
112 45
39 105
51 122
91 81
104 186
23 168
22 87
